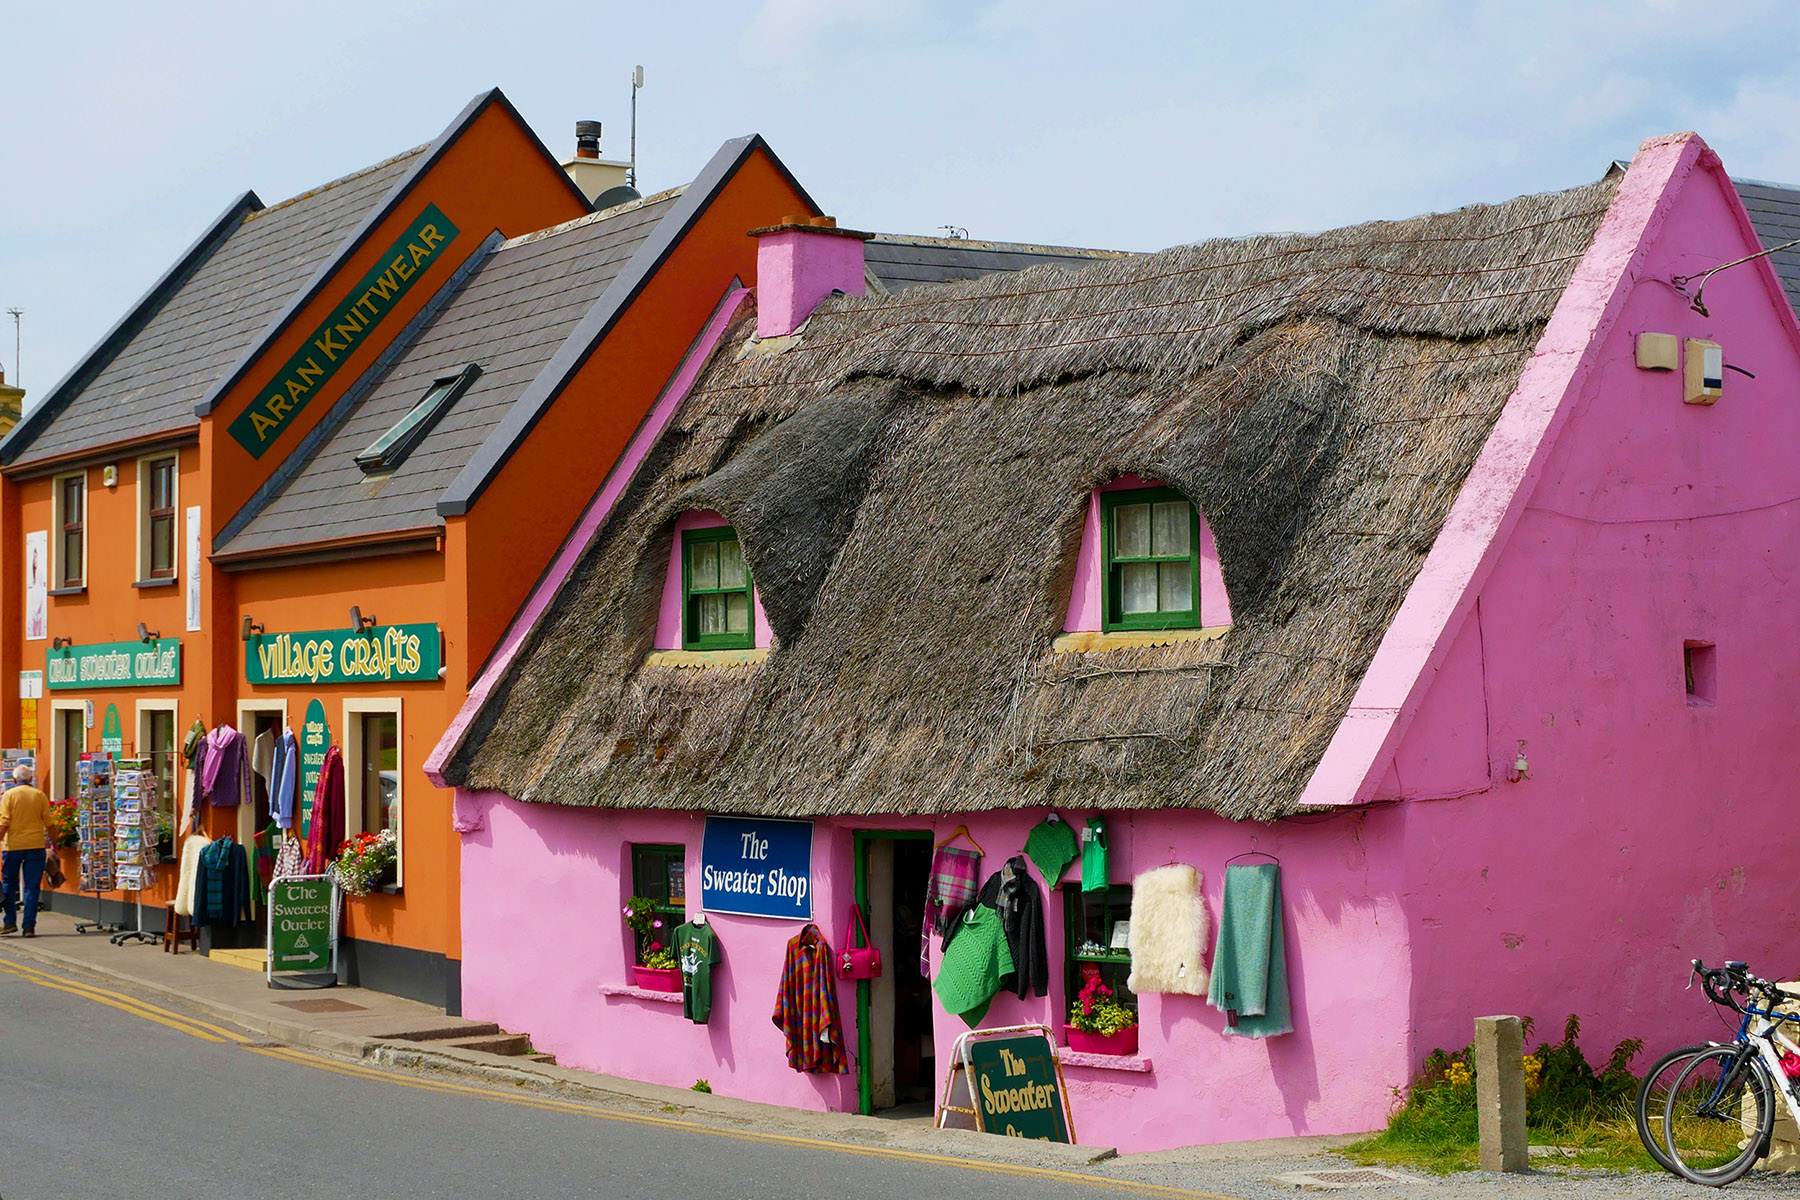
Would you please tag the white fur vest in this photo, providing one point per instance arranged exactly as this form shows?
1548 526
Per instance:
1168 932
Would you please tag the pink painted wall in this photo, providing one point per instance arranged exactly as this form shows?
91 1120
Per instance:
668 616
1347 960
1648 831
1087 595
796 269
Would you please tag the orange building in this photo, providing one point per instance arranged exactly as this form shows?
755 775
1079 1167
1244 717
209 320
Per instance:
389 396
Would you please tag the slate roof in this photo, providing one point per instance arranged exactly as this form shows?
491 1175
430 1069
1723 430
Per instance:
152 384
510 317
1775 211
897 261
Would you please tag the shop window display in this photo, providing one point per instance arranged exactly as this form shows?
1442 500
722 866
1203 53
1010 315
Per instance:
1097 925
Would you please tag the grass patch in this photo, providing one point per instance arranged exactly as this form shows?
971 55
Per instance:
1586 1113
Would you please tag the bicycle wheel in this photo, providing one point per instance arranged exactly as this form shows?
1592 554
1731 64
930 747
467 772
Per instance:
1653 1100
1721 1110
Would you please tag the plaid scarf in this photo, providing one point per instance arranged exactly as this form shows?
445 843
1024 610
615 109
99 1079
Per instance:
954 875
806 1008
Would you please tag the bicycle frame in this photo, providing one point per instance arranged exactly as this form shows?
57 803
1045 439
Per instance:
1760 1033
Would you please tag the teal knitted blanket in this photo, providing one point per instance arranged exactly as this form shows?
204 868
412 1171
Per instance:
1249 974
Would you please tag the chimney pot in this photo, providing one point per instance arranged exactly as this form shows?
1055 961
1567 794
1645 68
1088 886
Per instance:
799 263
587 139
824 222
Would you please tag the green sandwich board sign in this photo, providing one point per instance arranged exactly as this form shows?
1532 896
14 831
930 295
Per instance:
303 925
1010 1082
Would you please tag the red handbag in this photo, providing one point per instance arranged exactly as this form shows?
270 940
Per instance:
858 962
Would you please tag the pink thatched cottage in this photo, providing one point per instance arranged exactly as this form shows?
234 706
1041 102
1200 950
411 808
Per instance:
1447 562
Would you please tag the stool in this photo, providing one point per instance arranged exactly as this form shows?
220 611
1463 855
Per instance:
174 935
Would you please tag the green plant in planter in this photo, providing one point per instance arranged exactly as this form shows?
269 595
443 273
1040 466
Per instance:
1097 1011
644 921
659 957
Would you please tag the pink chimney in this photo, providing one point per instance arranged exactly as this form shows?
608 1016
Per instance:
800 262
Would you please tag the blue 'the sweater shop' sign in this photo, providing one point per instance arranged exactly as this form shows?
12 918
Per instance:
757 867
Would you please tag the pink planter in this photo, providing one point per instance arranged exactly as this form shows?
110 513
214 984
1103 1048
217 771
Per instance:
1123 1042
663 979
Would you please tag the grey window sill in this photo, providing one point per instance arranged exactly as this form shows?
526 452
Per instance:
154 583
72 590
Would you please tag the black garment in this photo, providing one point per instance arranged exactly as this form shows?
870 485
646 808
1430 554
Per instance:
1015 895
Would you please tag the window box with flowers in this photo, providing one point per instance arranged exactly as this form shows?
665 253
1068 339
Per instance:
366 863
1099 1024
656 969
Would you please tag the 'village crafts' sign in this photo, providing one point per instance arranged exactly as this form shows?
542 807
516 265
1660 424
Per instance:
384 655
757 867
115 664
340 334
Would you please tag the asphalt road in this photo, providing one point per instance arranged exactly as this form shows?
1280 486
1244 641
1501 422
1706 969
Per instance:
107 1096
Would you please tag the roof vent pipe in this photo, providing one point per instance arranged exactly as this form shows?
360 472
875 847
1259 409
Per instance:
587 139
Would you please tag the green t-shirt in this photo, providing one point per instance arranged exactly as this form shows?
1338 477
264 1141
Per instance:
697 950
1093 857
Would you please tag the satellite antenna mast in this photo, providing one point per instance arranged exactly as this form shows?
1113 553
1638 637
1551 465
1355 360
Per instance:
17 314
637 82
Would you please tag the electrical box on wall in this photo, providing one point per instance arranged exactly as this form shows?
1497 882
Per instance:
1705 371
1658 351
109 475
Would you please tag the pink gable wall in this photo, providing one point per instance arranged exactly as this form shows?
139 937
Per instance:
1639 837
1087 599
668 615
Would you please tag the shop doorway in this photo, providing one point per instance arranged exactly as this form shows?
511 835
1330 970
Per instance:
261 725
896 1060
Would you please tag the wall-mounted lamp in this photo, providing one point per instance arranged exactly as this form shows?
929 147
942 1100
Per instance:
58 642
251 627
109 475
358 622
147 635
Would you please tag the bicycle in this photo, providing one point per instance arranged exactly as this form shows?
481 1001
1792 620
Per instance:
1719 1113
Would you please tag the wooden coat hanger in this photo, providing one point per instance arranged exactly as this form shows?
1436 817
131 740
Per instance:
960 831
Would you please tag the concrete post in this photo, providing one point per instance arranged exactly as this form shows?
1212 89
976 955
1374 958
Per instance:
1500 1093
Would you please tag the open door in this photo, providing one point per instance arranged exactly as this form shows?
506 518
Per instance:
896 1058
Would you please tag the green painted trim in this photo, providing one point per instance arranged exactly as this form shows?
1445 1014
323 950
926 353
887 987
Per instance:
689 594
1111 618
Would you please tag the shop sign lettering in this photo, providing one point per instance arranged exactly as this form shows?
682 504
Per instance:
339 336
115 664
303 925
757 867
1018 1089
381 655
315 740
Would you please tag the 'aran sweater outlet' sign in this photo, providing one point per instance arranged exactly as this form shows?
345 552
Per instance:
757 867
115 664
341 333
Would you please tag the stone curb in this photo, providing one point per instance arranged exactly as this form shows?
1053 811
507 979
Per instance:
495 1068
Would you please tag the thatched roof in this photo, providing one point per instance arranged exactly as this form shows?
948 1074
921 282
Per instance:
910 480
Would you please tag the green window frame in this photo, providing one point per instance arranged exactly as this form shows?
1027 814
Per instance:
659 872
718 608
1089 921
1143 551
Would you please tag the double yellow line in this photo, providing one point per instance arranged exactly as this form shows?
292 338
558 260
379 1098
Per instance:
193 1026
206 1031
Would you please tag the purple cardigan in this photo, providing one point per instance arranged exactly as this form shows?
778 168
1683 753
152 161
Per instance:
221 770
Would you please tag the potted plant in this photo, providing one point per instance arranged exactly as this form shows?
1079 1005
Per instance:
1099 1024
366 862
656 969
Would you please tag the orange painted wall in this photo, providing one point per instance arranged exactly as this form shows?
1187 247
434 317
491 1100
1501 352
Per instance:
402 589
518 523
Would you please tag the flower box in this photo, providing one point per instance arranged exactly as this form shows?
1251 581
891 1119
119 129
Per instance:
660 979
1123 1042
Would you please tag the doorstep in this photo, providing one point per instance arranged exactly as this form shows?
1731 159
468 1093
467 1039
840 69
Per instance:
251 958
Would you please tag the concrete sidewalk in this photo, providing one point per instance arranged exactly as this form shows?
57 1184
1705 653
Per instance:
360 1024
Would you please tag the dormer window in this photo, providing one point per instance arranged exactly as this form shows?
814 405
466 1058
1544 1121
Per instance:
1152 543
386 452
715 591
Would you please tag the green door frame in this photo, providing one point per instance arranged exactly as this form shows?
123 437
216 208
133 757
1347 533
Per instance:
859 854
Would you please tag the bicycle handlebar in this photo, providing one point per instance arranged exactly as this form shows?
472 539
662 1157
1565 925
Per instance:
1723 984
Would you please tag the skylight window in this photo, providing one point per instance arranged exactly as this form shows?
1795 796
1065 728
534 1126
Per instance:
387 451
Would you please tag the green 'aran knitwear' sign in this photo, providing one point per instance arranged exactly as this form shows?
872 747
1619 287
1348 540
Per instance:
315 740
115 664
384 655
341 333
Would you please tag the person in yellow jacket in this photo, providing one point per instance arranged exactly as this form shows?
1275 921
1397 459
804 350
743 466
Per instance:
24 842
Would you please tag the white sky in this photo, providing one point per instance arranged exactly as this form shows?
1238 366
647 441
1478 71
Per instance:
128 127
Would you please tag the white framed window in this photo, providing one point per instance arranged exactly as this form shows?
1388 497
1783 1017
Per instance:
374 769
68 531
68 741
158 502
254 719
159 741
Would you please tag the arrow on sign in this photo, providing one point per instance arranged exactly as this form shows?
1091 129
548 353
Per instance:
311 956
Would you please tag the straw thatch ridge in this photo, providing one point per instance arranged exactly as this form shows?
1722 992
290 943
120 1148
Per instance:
910 479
